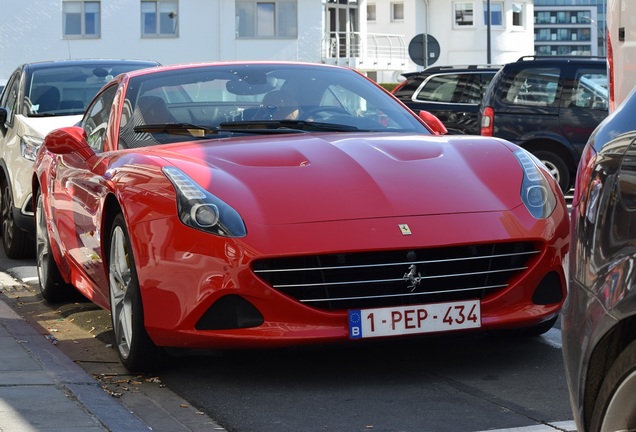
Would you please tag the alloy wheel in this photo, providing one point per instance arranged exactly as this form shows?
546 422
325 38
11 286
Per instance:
121 305
620 414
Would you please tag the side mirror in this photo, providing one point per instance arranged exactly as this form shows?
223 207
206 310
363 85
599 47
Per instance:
3 116
433 123
69 140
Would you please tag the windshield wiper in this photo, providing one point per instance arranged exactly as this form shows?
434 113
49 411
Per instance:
178 129
284 126
199 131
244 127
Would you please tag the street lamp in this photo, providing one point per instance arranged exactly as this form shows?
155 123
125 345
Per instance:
600 32
488 19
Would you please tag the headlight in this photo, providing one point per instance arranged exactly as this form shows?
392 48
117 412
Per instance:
29 146
536 193
199 209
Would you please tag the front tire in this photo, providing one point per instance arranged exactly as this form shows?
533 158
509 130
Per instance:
615 408
52 285
136 350
16 243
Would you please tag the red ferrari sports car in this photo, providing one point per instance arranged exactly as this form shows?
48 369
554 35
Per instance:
263 204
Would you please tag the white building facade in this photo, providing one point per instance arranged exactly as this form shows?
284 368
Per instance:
460 28
369 35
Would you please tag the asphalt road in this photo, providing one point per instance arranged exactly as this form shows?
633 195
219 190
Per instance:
450 383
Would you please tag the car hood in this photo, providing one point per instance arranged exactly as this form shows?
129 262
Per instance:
40 126
322 177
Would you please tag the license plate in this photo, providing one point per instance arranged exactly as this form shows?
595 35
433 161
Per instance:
426 318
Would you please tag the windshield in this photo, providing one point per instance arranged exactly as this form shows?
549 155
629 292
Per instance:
256 98
67 90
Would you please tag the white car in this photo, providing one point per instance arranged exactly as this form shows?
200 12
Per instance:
38 98
621 49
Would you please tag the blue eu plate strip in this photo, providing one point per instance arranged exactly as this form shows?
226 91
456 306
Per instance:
355 324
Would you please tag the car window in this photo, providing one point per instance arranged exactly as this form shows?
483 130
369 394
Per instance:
439 88
533 87
10 96
96 120
463 88
472 88
212 97
67 90
590 90
338 96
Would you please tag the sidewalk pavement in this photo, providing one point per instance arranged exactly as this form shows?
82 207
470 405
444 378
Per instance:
73 381
43 390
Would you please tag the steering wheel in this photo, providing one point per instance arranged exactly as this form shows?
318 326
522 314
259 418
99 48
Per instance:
324 111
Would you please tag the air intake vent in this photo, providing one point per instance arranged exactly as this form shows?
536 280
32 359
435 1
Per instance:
394 278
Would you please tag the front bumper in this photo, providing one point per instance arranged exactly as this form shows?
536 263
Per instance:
186 273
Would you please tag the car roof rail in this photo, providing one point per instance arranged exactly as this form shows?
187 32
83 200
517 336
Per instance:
433 69
558 57
452 67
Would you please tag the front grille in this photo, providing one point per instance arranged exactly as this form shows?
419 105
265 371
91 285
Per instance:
394 278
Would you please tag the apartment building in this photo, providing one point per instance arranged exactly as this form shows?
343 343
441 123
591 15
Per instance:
570 27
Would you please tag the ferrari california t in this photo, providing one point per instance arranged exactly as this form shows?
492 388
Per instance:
237 205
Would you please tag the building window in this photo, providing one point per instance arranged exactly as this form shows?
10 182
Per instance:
267 19
463 14
159 18
397 11
81 19
371 12
542 18
542 34
496 14
517 14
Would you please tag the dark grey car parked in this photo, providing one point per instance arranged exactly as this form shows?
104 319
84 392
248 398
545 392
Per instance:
599 316
452 93
549 106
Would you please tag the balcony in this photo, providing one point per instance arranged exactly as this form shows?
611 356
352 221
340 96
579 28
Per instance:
365 52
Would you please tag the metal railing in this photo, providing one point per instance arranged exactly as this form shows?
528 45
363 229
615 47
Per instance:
371 51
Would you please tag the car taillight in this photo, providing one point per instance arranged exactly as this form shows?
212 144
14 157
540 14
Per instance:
487 121
584 173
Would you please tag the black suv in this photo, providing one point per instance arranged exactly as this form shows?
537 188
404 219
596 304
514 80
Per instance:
452 93
549 106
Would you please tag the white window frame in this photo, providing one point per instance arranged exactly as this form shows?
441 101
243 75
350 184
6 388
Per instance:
519 14
397 12
83 9
500 5
459 14
266 19
166 18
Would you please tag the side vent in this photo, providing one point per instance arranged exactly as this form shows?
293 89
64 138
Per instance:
230 312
